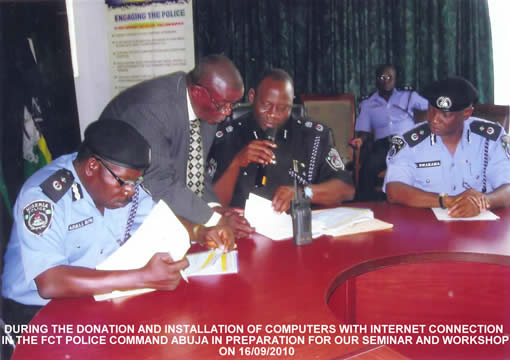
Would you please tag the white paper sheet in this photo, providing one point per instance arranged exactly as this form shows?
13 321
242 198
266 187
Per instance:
260 214
337 221
213 262
160 232
442 215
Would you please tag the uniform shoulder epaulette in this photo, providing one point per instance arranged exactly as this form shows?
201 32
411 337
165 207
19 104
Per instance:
486 129
406 88
417 135
226 129
57 184
314 126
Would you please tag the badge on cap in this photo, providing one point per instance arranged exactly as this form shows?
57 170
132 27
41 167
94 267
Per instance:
37 216
334 161
444 103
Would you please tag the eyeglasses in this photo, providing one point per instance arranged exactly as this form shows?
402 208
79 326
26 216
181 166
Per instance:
225 109
121 182
385 77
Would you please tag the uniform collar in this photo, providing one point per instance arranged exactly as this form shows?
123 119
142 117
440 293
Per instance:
282 133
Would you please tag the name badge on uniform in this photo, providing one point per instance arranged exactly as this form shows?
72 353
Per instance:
427 164
80 224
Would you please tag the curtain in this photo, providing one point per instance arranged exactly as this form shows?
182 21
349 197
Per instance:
334 46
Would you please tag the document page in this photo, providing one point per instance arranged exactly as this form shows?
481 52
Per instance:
335 222
161 231
442 215
213 262
260 214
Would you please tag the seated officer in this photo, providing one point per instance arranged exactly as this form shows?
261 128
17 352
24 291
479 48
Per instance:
385 113
453 160
240 148
72 214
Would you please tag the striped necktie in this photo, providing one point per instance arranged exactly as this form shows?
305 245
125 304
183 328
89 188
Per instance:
195 169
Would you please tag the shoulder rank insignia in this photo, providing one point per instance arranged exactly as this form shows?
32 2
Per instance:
505 142
486 129
417 135
397 144
57 184
37 216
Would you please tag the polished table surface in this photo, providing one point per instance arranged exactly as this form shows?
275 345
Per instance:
278 284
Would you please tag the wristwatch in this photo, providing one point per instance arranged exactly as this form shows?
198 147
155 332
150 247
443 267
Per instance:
308 192
441 198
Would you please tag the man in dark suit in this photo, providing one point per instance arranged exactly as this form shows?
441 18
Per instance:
166 110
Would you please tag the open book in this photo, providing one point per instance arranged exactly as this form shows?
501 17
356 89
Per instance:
335 222
161 231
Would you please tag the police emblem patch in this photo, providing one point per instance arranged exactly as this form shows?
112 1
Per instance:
505 142
229 128
397 144
308 124
37 216
319 127
219 134
334 160
444 103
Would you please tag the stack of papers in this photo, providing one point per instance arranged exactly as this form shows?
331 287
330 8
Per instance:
161 231
334 222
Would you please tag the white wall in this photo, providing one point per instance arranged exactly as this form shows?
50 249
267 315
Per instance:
92 84
499 11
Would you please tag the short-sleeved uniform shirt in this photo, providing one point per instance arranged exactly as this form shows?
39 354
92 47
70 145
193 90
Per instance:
421 159
68 231
308 142
393 117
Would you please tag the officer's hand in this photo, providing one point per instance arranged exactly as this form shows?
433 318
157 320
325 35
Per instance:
258 151
235 219
356 143
282 197
162 273
469 203
219 236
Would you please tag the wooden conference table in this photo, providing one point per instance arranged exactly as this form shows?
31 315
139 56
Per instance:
422 272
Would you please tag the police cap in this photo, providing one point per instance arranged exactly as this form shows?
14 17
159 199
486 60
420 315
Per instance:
119 143
451 94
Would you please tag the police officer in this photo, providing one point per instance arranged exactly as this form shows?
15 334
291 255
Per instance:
241 148
453 160
387 112
72 214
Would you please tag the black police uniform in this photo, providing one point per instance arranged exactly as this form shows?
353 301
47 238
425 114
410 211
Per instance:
308 142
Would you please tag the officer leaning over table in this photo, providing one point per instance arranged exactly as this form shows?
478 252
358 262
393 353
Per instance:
73 213
453 160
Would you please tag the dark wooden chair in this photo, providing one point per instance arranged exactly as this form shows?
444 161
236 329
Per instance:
495 113
338 113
